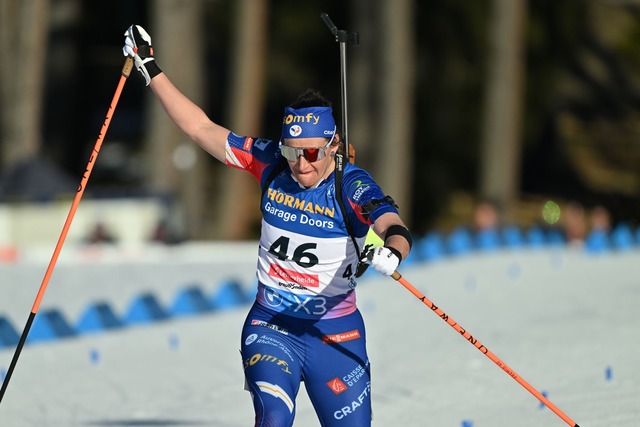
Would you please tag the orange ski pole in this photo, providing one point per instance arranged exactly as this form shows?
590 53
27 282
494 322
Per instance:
126 71
462 331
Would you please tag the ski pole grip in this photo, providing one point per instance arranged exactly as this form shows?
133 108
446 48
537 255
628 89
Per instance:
329 23
395 275
128 66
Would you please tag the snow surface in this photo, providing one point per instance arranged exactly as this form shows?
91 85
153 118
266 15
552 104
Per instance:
563 320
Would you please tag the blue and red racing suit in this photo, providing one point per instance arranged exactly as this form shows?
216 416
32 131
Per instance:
304 324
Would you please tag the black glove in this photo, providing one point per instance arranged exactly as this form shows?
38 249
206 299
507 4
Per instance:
137 44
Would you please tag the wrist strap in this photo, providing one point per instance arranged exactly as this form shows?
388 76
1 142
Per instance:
395 252
152 69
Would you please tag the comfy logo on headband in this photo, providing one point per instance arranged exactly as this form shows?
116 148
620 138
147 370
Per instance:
309 122
308 118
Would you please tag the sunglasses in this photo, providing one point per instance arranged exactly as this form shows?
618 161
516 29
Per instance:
310 154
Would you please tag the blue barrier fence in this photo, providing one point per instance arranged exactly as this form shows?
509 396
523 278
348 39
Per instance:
51 324
460 241
191 300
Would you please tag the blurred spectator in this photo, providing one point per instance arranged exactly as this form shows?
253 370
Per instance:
575 223
486 226
599 219
598 237
163 234
100 234
485 216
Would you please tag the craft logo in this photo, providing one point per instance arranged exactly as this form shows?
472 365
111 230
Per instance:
341 337
337 386
345 411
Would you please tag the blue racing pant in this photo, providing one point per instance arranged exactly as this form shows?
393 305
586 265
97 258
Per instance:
329 355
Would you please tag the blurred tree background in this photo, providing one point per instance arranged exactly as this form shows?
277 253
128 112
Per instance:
451 102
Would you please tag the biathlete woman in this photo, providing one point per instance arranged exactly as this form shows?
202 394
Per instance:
304 325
